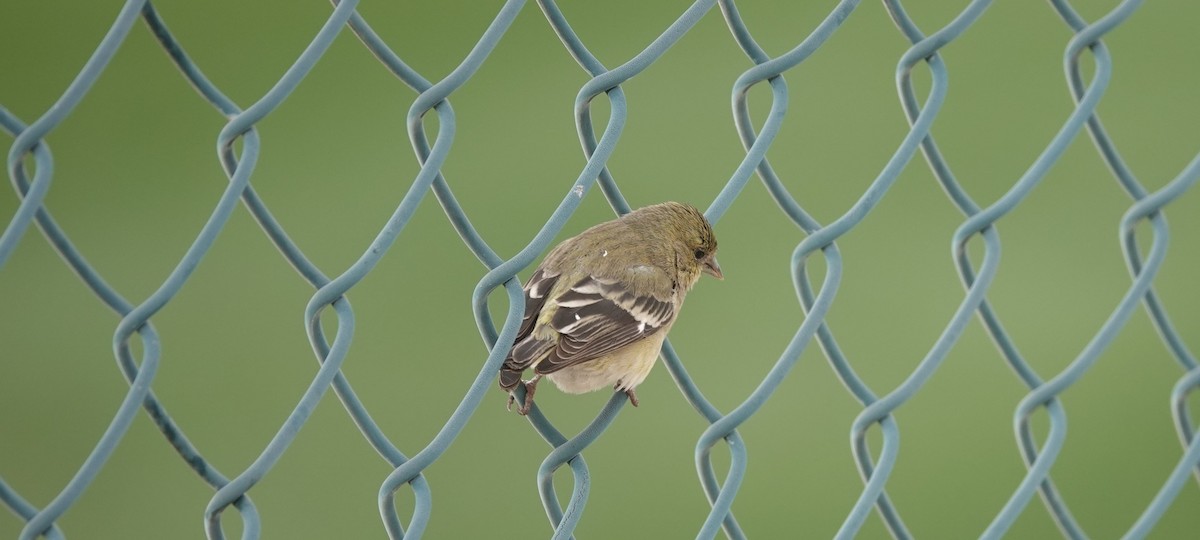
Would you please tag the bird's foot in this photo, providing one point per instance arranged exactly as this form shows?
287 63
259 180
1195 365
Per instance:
527 403
633 400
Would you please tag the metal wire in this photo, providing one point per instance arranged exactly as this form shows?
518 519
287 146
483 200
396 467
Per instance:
330 352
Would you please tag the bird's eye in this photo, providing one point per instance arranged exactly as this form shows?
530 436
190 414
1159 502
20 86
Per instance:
699 253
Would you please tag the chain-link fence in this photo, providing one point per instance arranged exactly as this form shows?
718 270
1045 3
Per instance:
1039 419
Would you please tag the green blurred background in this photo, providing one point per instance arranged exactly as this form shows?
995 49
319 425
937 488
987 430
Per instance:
136 177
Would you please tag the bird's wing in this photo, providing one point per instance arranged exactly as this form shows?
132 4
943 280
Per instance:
526 348
536 290
597 316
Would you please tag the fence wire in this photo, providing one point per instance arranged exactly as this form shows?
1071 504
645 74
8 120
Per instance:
30 167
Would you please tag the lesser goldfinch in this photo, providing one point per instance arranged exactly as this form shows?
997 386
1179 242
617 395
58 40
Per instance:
601 303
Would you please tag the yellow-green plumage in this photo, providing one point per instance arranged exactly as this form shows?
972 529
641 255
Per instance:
601 303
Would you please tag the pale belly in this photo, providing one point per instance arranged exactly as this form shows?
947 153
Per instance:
624 370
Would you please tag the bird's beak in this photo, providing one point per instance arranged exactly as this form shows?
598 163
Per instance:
713 269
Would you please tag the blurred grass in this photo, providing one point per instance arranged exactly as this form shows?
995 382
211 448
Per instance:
136 176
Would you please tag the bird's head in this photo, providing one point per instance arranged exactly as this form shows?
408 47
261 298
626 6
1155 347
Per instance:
688 231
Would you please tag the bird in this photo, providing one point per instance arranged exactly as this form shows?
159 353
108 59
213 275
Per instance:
600 304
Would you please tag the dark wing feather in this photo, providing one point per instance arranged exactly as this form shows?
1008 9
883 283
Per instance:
526 348
598 316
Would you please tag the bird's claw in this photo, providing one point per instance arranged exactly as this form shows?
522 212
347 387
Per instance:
527 403
633 400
